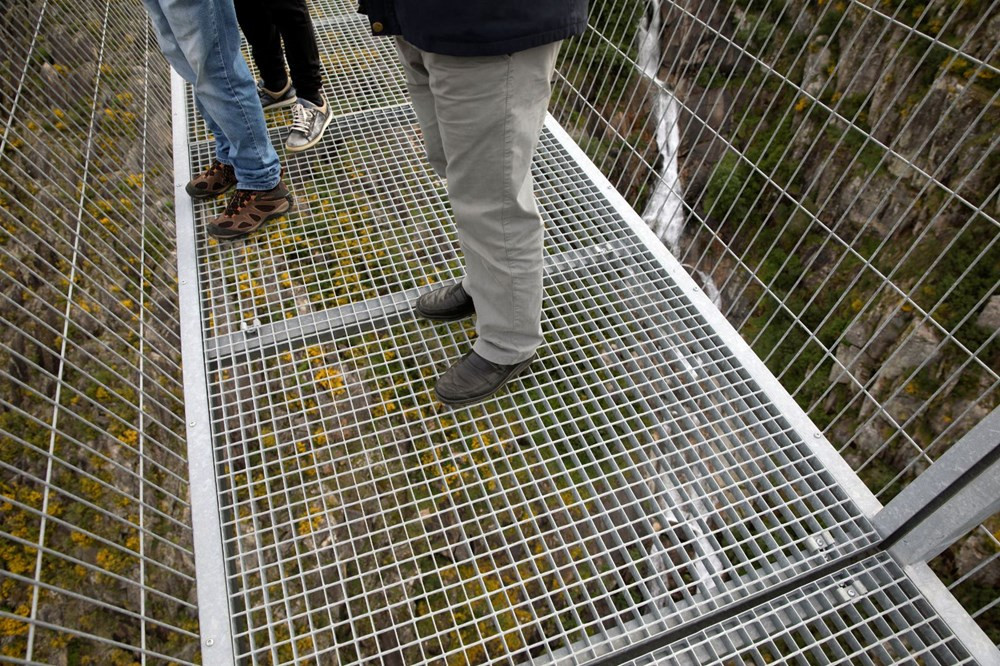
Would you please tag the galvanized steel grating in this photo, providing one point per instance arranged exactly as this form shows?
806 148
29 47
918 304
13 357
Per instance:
869 614
369 219
637 478
646 475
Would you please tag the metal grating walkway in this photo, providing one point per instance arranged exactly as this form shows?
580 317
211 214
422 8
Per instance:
646 478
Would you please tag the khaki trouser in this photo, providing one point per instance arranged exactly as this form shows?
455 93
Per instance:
481 117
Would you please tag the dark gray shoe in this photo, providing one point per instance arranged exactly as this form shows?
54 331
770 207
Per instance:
270 100
474 378
446 304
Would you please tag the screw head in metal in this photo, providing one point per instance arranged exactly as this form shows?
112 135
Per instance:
819 542
851 592
817 435
191 424
210 642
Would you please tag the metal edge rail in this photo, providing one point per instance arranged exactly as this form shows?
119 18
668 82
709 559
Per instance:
973 638
210 572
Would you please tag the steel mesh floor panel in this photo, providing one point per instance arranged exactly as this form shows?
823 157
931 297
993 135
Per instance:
332 10
870 614
369 222
354 499
637 477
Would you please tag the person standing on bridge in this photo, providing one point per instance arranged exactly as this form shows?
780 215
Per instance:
479 74
267 24
201 41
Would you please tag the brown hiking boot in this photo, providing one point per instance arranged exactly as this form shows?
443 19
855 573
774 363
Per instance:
249 209
212 182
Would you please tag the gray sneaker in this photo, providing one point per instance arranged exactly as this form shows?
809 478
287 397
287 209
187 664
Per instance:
308 124
270 101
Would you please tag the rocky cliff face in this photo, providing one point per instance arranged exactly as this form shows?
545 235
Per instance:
840 166
847 156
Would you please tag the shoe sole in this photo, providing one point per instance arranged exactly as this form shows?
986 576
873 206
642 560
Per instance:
283 104
515 371
224 234
197 196
319 137
430 317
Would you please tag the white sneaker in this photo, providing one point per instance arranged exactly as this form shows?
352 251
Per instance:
308 124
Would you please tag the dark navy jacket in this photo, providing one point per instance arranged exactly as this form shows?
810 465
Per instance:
476 27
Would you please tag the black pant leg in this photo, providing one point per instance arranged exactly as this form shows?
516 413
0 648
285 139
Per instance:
291 17
257 23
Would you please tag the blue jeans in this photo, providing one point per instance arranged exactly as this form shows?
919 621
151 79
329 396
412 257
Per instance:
201 41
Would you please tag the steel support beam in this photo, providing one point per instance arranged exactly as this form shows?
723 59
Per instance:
956 493
217 645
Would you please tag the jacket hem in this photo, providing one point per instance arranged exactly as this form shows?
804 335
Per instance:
504 47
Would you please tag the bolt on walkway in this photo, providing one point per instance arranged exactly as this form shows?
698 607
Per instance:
646 493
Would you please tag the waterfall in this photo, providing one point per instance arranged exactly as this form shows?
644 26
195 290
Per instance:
707 285
665 215
665 212
665 209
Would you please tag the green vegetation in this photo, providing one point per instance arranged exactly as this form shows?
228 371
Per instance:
600 92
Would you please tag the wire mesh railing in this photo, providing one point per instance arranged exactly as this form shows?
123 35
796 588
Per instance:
96 561
828 172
